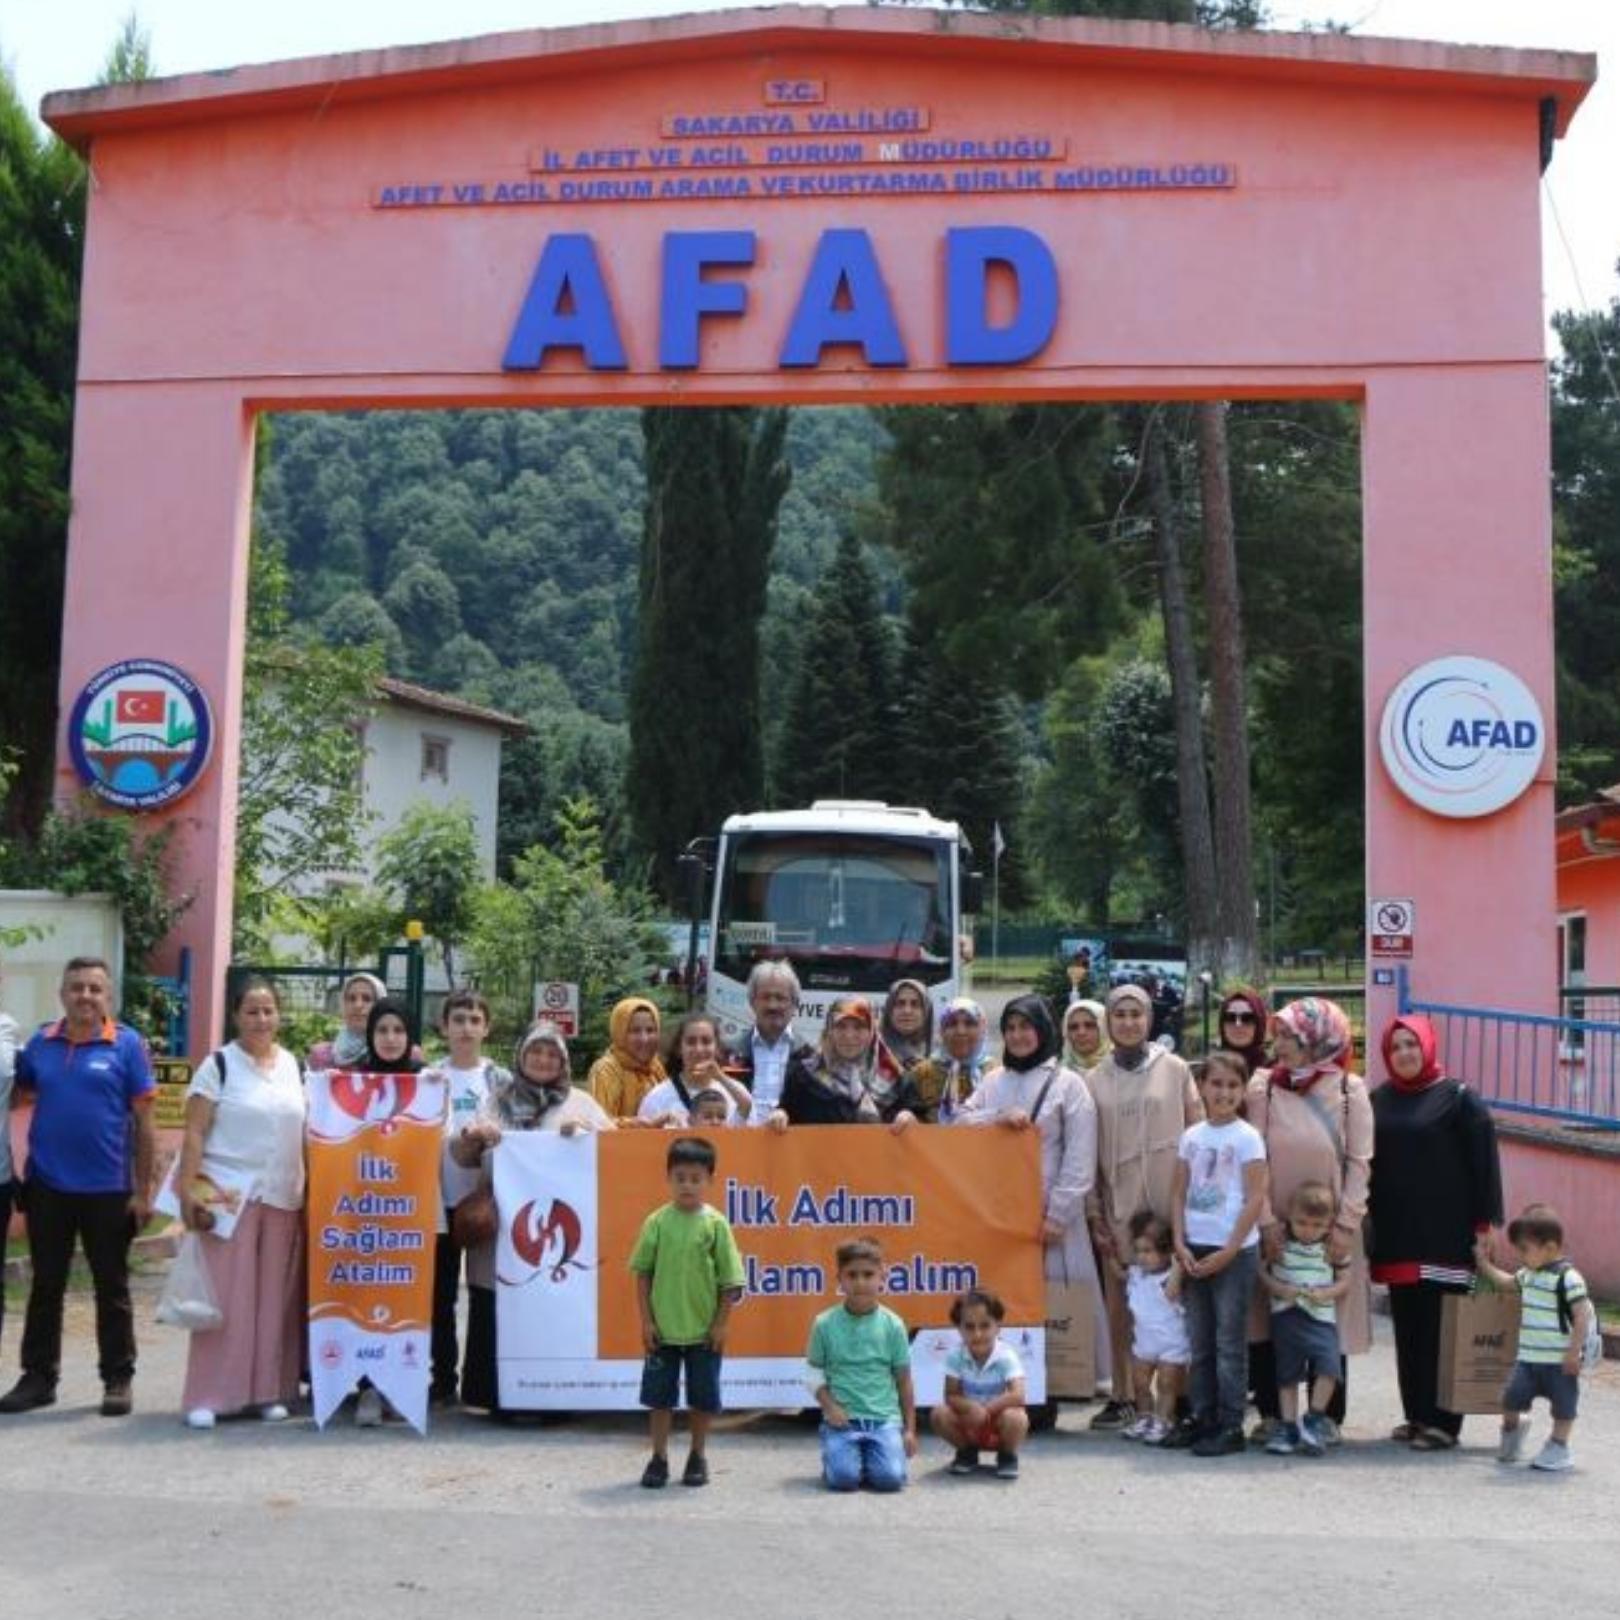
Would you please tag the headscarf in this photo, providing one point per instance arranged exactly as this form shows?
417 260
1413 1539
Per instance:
960 1076
1323 1029
410 1063
907 1049
646 1076
1432 1069
1130 1058
1254 1054
521 1103
860 1081
1032 1009
348 1048
1073 1057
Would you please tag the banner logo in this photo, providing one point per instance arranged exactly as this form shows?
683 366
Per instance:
1462 737
546 1246
140 733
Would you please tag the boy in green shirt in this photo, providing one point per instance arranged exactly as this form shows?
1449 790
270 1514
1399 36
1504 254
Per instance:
860 1374
688 1276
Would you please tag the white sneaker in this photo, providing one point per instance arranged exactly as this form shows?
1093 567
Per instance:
1511 1446
1137 1428
1553 1458
275 1412
368 1410
199 1417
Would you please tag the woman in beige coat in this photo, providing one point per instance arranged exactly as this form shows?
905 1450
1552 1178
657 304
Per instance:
1317 1121
1145 1099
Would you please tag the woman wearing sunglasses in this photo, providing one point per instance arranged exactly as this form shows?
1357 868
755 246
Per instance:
1245 1022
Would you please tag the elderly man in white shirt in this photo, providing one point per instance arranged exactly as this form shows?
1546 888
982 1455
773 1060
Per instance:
760 1059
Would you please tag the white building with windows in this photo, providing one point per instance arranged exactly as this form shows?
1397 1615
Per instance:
425 746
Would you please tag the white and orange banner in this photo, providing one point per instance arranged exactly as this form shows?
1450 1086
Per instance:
953 1207
374 1142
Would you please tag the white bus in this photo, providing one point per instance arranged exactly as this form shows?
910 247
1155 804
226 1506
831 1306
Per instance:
854 894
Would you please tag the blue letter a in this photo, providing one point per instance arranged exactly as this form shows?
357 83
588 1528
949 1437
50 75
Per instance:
567 307
844 260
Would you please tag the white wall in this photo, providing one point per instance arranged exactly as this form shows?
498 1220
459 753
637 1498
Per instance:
393 772
30 973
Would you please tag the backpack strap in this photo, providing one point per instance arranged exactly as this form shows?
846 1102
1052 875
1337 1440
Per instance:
1566 1317
218 1060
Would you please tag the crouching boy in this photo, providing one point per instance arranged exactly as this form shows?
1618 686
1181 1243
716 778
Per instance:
860 1375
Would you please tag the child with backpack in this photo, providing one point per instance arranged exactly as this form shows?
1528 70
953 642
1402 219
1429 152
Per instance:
1558 1334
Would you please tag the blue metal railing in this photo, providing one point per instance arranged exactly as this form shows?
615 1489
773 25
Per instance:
1560 1069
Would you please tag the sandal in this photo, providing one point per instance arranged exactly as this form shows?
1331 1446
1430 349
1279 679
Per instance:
1427 1439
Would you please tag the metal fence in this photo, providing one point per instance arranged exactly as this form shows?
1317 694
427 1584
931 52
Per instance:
1561 1069
310 994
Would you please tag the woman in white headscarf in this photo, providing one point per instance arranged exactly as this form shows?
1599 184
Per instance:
360 993
1145 1099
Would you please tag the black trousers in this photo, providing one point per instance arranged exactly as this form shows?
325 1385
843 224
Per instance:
103 1224
447 1255
1263 1382
1414 1309
478 1380
5 1224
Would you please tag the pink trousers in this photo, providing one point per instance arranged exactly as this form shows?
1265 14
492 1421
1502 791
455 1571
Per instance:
253 1358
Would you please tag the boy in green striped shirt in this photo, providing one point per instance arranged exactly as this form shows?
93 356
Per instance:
1555 1321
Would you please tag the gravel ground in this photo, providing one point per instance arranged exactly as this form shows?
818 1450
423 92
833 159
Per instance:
141 1517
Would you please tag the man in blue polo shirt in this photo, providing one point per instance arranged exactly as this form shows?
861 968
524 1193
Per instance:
91 1150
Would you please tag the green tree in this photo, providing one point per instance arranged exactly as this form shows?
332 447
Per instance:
358 619
41 241
130 59
842 734
961 751
299 810
429 864
715 482
563 917
1586 557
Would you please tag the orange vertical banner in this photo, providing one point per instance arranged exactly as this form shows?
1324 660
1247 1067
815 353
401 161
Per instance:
373 1204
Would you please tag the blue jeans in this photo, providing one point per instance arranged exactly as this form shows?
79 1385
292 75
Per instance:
1218 1331
870 1452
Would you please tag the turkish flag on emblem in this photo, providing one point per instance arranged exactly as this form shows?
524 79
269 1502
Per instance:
140 708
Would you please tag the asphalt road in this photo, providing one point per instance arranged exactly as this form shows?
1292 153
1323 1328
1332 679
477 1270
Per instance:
123 1520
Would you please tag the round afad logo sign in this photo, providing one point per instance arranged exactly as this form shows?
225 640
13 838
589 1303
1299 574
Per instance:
140 733
1462 737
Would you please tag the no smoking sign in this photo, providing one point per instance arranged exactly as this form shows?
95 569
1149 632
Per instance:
1390 927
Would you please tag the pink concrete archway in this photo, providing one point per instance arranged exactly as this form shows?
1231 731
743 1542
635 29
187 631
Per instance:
1378 240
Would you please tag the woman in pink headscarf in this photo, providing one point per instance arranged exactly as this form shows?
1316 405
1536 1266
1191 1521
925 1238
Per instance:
1317 1121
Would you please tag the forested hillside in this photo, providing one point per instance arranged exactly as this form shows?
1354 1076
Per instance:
1009 585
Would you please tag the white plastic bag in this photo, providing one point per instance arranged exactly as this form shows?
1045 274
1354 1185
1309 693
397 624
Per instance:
188 1296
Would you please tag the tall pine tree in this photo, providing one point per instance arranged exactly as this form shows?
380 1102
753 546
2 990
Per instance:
841 734
715 481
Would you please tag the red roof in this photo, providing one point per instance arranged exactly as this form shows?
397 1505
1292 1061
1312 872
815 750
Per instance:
425 698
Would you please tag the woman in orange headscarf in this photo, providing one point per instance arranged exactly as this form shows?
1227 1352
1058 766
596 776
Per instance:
631 1066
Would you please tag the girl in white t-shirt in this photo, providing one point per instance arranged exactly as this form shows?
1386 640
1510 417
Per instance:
1219 1187
241 1171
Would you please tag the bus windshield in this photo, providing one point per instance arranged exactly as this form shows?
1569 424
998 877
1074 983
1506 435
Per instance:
851 911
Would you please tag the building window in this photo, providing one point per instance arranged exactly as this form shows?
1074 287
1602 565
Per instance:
435 758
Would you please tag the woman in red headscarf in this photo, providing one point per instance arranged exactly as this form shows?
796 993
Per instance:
1317 1120
1439 1183
1245 1020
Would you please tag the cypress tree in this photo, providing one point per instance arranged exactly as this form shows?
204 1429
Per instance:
842 732
715 481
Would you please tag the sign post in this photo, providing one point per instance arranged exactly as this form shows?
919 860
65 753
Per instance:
558 1003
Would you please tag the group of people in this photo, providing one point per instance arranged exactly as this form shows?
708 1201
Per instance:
1230 1226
